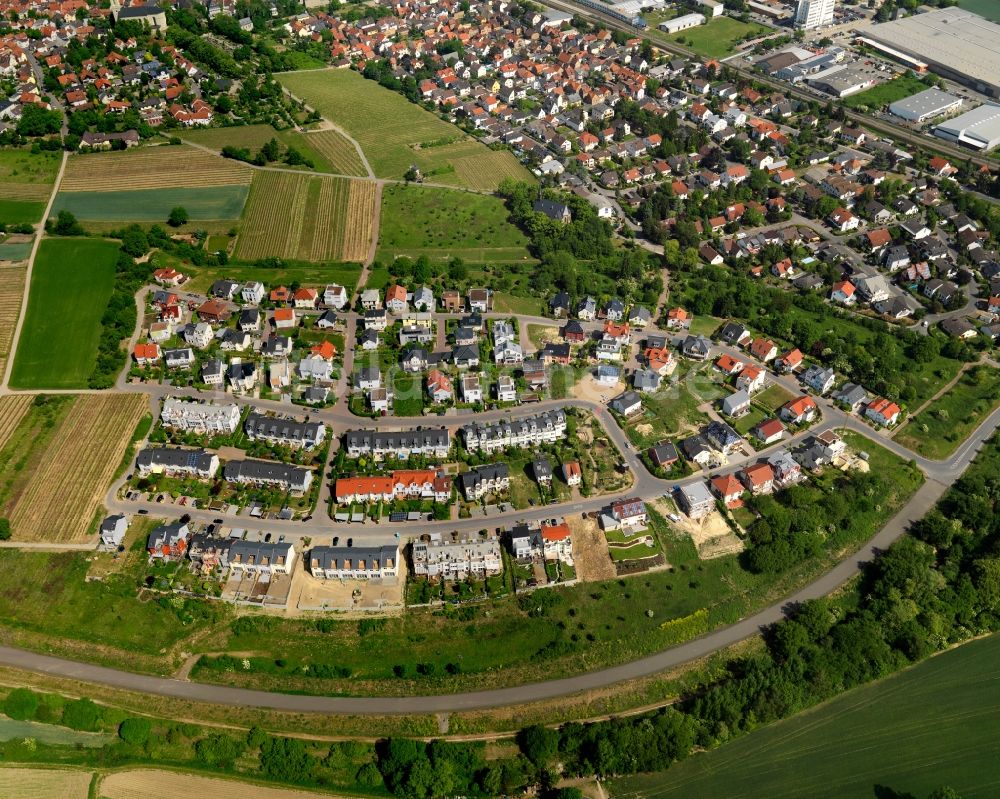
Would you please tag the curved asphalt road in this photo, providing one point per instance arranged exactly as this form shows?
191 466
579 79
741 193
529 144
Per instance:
922 501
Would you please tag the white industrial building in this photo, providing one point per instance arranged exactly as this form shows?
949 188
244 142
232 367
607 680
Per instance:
682 23
925 105
953 42
814 13
979 128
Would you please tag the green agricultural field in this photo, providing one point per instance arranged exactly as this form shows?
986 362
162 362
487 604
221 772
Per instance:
985 8
886 93
396 134
26 176
70 287
48 596
328 150
934 724
18 212
15 250
716 38
938 430
444 224
153 205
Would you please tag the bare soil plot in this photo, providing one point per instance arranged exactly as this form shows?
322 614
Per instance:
158 784
590 550
38 783
12 410
11 292
152 168
59 499
711 535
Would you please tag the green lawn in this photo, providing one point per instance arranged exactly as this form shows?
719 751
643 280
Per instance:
773 397
18 212
886 93
408 395
932 725
673 410
508 303
717 37
153 205
745 422
445 224
938 430
704 325
396 134
70 287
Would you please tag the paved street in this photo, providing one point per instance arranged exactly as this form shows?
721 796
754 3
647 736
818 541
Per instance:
940 474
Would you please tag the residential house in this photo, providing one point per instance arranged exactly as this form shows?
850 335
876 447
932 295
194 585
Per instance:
801 410
883 412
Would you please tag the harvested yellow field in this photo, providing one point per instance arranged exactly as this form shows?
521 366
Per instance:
340 152
11 291
306 218
361 210
12 409
37 783
152 168
27 192
58 501
157 784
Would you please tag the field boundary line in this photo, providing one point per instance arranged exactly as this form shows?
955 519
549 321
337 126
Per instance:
335 126
39 235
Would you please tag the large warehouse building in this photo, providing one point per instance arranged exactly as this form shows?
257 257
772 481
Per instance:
925 105
979 128
953 42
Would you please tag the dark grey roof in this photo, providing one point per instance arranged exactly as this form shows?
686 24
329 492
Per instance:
171 458
336 557
262 426
266 472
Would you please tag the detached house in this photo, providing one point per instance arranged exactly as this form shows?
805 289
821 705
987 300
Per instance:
799 411
883 412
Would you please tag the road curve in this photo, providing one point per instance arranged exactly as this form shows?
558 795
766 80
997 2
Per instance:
918 505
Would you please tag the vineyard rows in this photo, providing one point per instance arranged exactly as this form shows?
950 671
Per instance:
153 168
59 501
485 171
340 152
306 218
12 409
359 220
11 291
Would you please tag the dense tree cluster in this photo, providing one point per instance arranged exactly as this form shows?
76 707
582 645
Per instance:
580 257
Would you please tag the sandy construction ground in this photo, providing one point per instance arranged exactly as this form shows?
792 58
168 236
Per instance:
157 784
38 783
590 550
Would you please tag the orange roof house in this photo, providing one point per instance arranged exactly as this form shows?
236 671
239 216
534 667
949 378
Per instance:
326 350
